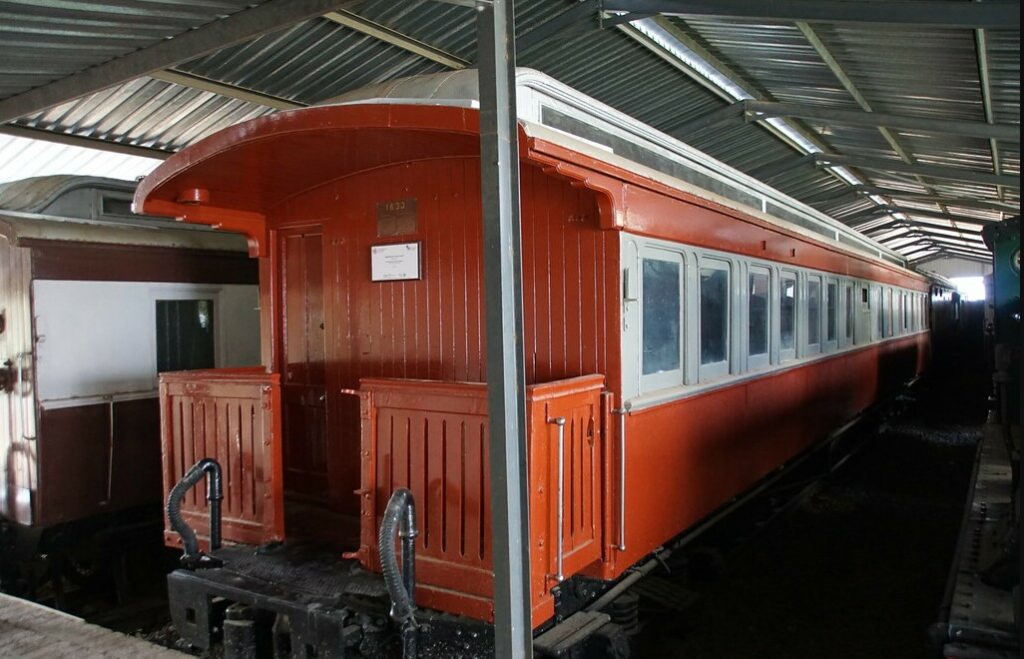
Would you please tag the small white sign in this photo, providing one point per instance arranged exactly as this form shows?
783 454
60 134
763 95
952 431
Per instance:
395 262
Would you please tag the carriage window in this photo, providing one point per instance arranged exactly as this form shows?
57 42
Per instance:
879 314
757 337
184 335
714 315
906 310
849 312
662 297
831 309
813 311
787 312
888 312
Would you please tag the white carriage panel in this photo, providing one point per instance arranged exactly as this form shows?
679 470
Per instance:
98 338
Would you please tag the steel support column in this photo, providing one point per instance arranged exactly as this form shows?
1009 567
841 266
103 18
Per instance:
503 296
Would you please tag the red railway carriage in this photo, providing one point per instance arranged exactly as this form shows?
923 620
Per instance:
694 327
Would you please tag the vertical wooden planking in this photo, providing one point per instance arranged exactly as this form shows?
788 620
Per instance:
454 441
436 432
213 414
432 328
473 494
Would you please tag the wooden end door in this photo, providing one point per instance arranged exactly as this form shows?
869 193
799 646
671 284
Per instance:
303 381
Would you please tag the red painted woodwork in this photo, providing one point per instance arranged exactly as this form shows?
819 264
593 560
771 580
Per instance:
689 457
433 328
318 176
302 362
231 415
97 458
53 259
432 438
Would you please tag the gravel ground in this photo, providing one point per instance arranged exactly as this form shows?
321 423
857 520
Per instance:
858 568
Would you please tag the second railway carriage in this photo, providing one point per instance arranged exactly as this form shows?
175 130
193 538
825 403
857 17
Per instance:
94 302
694 327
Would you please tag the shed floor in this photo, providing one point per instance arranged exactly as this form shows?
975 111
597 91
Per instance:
857 568
30 631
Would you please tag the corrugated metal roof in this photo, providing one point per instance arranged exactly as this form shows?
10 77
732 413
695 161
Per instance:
42 42
22 158
909 70
310 62
145 113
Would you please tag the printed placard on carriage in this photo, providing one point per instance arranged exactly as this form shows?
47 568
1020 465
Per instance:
395 262
396 218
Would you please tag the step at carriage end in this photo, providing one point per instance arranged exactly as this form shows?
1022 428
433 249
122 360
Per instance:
432 438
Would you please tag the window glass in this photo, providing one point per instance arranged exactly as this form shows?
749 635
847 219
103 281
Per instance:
813 311
831 308
787 312
906 310
184 335
758 313
714 315
888 312
660 316
876 298
849 311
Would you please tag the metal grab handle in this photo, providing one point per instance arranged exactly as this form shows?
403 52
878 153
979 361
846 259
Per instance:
560 515
622 412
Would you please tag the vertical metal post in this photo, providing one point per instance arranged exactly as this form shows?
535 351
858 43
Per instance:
503 297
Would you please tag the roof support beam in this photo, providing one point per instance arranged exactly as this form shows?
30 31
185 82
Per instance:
223 89
993 15
86 142
967 246
395 38
888 210
931 171
924 257
913 231
938 198
979 249
758 110
242 26
844 79
981 47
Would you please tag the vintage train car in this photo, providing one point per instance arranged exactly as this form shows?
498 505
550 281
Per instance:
94 302
695 329
944 309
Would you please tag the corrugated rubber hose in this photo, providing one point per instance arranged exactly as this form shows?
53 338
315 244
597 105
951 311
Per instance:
214 494
401 511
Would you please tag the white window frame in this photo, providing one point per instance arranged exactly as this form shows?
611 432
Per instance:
761 360
661 379
887 324
787 354
848 313
717 369
826 344
812 348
